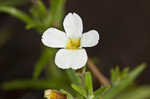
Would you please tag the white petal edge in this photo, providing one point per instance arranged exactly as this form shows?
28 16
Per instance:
54 38
73 25
90 38
74 59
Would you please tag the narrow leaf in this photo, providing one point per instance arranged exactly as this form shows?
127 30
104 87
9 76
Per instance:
88 83
30 84
101 90
80 90
13 2
16 13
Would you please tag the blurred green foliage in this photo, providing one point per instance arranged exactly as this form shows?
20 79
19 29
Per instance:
75 85
83 87
125 78
5 34
13 2
17 13
118 90
39 18
142 92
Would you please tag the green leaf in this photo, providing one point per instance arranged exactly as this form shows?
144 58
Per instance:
73 76
46 56
16 13
88 83
115 76
31 84
13 2
124 83
80 90
101 90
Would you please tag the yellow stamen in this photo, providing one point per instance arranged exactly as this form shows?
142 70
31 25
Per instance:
51 94
73 44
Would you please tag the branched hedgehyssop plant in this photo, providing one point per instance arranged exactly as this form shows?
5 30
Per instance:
72 55
70 80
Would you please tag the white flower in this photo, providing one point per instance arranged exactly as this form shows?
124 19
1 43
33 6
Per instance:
72 55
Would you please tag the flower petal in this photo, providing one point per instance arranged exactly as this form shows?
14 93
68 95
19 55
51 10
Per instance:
73 25
54 38
74 59
90 39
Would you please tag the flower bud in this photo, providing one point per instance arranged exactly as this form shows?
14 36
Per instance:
51 94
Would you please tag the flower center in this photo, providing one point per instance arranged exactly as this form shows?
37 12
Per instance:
73 43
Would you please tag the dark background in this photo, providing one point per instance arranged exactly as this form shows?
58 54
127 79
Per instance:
124 27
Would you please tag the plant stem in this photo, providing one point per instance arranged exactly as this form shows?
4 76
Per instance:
101 78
